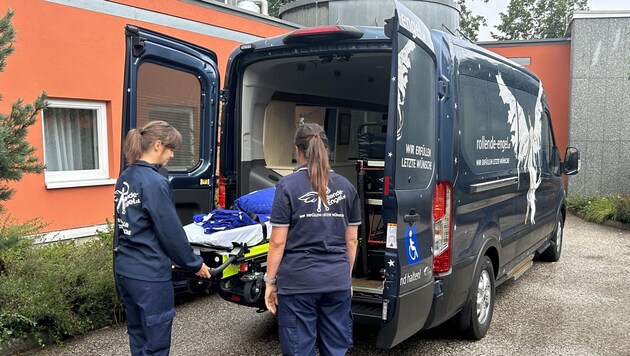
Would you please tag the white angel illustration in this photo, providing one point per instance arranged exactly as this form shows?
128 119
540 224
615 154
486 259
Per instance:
526 140
404 65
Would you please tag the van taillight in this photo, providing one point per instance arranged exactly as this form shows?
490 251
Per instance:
220 192
442 222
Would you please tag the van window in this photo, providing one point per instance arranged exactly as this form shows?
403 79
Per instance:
486 134
415 117
533 128
174 96
547 143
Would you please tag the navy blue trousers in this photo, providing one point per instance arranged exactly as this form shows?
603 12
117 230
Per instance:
322 318
150 310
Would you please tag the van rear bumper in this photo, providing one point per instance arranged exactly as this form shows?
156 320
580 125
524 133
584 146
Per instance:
441 300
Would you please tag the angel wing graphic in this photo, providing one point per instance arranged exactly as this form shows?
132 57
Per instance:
404 65
526 140
312 197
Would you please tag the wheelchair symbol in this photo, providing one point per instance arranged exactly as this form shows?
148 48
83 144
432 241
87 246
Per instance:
412 248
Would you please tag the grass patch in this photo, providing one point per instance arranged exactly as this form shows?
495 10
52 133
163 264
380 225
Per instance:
601 209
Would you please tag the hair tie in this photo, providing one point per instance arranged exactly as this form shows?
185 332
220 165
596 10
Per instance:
141 131
315 135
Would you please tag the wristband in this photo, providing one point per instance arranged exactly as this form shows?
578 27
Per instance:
269 280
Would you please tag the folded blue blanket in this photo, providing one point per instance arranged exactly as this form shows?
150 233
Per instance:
222 219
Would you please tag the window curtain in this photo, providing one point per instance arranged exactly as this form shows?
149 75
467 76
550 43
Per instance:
71 139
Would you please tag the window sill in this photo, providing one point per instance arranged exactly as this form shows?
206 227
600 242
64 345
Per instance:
80 183
70 234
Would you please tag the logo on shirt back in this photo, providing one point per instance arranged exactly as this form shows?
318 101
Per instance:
333 198
124 198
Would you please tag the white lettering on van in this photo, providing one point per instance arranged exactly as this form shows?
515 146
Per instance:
492 144
414 27
410 277
423 151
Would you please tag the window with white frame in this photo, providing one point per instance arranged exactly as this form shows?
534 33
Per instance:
75 144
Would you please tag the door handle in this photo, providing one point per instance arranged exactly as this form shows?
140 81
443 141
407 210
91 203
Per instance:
412 217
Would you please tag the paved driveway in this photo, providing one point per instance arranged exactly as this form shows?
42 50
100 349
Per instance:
578 306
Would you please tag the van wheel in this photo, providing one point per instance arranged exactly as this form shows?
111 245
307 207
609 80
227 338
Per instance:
474 319
552 253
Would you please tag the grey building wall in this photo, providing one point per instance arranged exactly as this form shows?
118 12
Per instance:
436 14
599 106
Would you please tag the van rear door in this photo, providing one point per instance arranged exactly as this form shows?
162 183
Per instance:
409 179
175 81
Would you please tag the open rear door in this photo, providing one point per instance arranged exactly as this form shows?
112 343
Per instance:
171 80
410 175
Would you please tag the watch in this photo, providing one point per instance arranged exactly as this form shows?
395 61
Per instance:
269 280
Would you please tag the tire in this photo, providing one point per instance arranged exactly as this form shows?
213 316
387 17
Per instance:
253 290
474 319
552 253
198 287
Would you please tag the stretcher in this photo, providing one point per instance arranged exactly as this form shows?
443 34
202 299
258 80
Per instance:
251 235
236 257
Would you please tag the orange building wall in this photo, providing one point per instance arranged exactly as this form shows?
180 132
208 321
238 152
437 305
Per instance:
73 53
551 63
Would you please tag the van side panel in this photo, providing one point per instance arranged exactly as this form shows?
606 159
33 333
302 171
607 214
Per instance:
487 185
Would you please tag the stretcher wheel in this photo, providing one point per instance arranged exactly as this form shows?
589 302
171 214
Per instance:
253 290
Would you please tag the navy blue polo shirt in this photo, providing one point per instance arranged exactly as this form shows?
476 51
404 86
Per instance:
150 234
315 258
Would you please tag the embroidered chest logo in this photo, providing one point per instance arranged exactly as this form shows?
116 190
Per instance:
124 198
333 198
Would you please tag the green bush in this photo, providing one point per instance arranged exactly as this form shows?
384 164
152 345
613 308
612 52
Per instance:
578 204
62 289
622 209
601 209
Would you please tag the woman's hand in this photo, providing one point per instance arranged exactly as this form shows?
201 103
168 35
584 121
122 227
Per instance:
271 297
203 272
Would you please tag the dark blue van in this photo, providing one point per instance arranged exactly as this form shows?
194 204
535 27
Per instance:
451 147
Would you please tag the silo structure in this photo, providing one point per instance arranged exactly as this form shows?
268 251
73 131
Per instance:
436 14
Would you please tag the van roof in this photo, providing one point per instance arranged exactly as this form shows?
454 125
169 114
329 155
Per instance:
369 33
372 33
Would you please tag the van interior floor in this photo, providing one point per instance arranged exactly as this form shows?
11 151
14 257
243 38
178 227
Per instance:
367 285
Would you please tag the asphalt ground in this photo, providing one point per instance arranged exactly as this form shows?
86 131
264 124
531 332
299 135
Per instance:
577 306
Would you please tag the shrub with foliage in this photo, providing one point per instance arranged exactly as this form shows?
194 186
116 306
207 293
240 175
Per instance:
61 289
17 155
601 209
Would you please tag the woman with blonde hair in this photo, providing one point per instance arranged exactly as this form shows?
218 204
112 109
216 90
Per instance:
315 216
149 237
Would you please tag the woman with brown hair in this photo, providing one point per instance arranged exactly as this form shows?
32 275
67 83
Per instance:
315 216
148 238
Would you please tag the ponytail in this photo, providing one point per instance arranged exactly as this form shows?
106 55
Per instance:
139 140
311 140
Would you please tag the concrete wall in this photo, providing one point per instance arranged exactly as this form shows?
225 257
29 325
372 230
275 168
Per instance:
599 106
